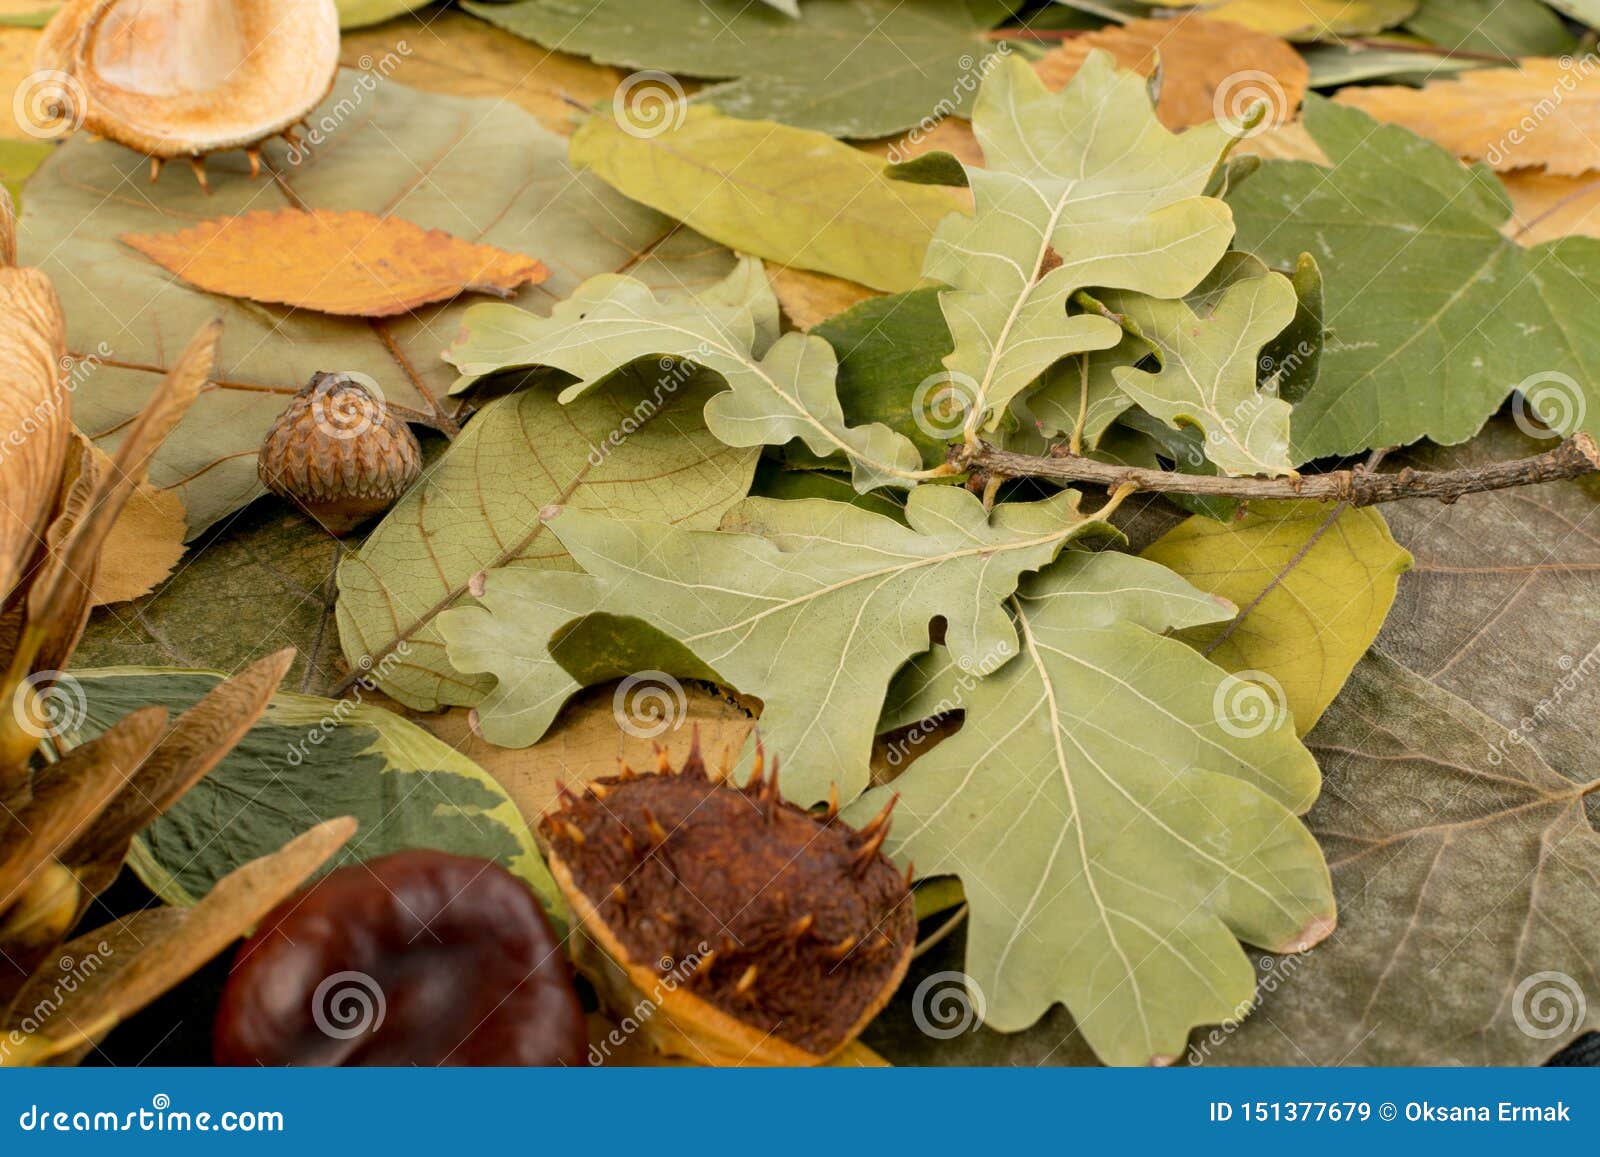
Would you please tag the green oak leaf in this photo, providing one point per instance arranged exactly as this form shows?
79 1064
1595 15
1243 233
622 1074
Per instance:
1432 311
848 68
635 447
479 169
1083 188
810 606
784 194
1315 582
777 390
1208 370
1464 868
307 760
1115 833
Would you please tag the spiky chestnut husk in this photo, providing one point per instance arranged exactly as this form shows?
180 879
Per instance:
759 932
338 454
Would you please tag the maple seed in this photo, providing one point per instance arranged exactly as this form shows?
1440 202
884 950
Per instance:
789 931
338 454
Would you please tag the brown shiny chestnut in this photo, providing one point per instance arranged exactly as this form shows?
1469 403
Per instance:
415 958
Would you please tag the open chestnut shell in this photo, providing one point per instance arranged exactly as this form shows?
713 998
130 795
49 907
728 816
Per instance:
415 958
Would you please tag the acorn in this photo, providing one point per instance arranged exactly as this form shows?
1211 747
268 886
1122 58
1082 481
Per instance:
753 931
338 454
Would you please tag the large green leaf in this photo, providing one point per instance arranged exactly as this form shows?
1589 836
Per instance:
1315 585
778 390
479 169
786 194
1083 188
1434 314
1469 923
635 448
849 68
307 760
809 606
1116 830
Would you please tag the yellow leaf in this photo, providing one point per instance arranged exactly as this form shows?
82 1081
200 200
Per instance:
342 262
1540 115
144 545
1210 69
454 53
1312 594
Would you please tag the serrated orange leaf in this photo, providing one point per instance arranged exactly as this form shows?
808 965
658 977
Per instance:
343 262
1211 69
1539 115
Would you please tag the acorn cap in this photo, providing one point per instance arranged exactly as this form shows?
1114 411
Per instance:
760 933
338 454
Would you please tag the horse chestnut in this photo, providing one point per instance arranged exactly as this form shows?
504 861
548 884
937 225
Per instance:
416 958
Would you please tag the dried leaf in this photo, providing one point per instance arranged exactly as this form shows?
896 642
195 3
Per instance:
1538 115
784 194
349 263
1115 833
449 52
1313 585
635 448
808 606
1210 69
809 298
143 545
150 952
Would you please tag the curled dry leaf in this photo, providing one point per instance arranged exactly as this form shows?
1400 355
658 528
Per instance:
1210 69
34 405
1540 114
345 262
149 952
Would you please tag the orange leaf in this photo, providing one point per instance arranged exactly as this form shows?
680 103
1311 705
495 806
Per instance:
346 262
1210 68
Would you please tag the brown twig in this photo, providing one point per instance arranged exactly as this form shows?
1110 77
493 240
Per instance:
1575 457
